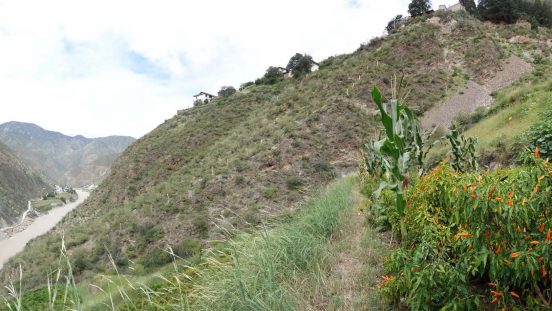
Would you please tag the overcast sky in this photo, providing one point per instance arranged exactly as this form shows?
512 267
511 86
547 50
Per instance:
121 67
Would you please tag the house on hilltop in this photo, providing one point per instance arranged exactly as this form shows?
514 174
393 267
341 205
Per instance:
453 8
286 72
204 96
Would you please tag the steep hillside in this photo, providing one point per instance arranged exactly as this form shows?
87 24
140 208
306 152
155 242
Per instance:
243 159
18 184
69 160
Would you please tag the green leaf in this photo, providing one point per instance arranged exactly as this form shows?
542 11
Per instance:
385 118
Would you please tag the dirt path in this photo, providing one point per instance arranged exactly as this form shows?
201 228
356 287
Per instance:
358 263
476 95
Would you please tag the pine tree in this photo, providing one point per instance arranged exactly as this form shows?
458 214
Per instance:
419 7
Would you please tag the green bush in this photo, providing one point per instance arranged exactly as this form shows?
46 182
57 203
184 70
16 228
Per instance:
187 248
226 91
540 135
273 75
156 258
294 183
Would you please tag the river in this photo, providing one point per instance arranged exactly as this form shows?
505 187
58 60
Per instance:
11 246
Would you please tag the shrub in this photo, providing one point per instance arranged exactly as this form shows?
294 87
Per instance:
226 91
245 85
270 192
540 135
418 7
294 183
273 75
156 258
300 65
187 248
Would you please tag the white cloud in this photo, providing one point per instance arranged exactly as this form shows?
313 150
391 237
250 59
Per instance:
108 67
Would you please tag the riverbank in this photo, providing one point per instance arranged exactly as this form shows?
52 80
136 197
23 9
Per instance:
13 240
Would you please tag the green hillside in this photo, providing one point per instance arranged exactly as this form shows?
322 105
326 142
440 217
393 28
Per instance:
252 158
18 184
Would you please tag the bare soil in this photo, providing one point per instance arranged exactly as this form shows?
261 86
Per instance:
476 95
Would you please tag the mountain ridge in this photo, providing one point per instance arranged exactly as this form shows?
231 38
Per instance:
18 184
74 160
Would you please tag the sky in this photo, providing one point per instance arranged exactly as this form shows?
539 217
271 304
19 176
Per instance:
122 67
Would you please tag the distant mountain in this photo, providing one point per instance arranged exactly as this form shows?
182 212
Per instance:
67 160
18 184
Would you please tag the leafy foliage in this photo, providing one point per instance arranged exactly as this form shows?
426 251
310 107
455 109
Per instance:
401 144
476 239
419 7
537 12
469 5
464 158
300 64
272 75
540 136
226 91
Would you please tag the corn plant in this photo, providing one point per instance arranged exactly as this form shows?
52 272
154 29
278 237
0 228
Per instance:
372 160
401 146
464 158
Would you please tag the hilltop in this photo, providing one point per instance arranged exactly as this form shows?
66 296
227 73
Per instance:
18 184
66 160
254 156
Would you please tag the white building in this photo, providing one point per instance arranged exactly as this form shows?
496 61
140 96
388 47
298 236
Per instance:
453 8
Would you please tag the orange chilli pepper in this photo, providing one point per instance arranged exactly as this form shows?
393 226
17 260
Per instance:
496 294
514 294
541 228
514 255
464 235
544 273
534 242
548 234
491 284
537 155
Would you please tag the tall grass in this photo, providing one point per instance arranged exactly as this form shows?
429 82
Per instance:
273 269
262 271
